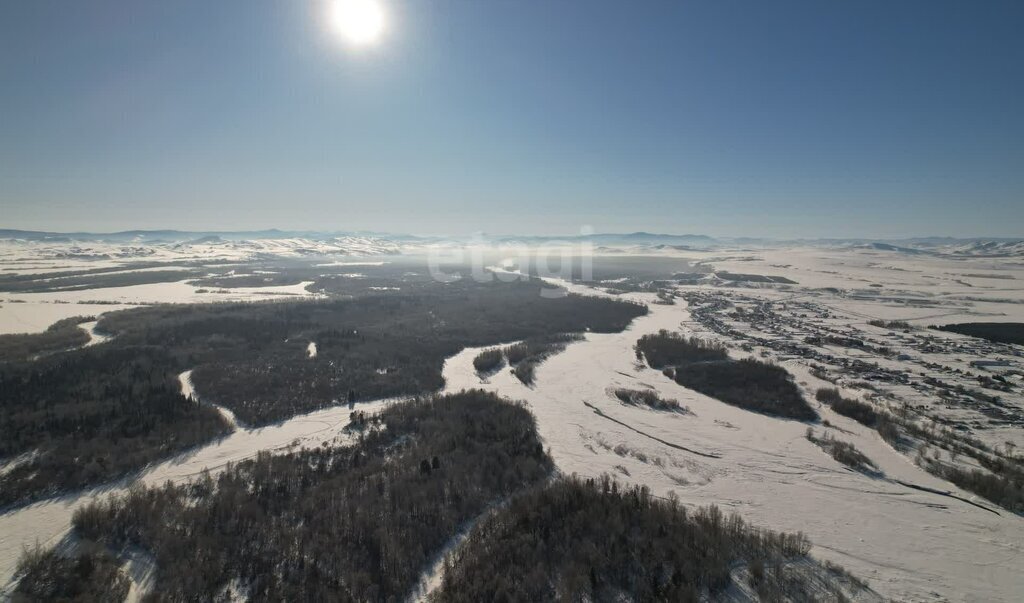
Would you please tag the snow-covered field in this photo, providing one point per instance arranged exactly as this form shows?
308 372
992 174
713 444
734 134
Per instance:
38 256
909 544
34 317
34 312
886 283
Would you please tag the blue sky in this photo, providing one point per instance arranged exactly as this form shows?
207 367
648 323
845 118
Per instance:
832 119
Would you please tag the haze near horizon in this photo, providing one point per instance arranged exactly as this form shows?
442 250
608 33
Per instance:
790 119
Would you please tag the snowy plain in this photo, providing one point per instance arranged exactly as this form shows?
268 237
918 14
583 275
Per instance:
911 545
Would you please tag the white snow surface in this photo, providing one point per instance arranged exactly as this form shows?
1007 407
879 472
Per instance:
95 338
909 545
35 312
52 255
37 316
189 391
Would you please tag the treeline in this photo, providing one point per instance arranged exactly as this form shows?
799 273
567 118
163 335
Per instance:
1002 483
7 280
354 523
592 540
74 420
62 335
999 332
94 575
252 358
754 278
891 428
523 356
261 279
648 398
749 384
78 418
488 360
539 346
667 349
844 452
895 325
863 413
706 367
526 355
85 280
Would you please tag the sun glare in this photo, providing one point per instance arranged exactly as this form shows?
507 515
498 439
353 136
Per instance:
358 22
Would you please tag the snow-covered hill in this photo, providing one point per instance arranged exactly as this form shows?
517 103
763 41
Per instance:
205 248
987 249
950 247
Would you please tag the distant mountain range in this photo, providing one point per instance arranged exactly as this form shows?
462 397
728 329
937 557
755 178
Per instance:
174 236
178 236
954 247
615 239
977 246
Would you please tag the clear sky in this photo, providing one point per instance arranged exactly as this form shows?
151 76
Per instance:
762 118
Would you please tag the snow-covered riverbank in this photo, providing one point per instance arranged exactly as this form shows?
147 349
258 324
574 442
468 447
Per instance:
189 391
46 522
910 545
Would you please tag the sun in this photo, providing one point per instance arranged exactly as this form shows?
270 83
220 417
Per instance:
358 22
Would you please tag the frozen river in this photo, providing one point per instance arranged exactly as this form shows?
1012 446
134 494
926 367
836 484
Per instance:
909 544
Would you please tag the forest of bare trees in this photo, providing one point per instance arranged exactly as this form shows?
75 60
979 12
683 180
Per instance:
594 540
346 523
86 416
73 420
706 367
